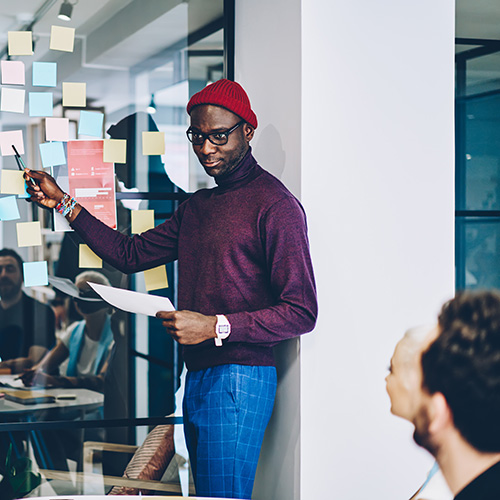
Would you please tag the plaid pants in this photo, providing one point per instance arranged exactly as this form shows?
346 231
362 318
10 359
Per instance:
226 410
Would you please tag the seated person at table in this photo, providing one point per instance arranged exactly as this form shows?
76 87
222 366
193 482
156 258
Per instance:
86 344
403 386
27 327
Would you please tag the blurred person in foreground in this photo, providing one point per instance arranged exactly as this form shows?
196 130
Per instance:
458 416
404 387
27 326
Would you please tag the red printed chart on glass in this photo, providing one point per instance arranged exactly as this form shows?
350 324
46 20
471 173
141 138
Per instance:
91 181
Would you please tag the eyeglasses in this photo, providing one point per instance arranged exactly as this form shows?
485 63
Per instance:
217 138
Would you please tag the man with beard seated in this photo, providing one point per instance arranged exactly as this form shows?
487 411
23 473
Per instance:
458 415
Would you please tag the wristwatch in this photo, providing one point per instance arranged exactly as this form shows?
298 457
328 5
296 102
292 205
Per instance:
222 329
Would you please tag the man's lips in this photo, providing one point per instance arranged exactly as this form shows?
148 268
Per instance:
210 163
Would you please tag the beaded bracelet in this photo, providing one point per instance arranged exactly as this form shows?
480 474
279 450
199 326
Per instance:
66 205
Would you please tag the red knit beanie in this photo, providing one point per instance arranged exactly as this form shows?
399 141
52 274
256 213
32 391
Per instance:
229 95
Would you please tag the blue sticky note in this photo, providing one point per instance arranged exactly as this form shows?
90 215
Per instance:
8 208
35 273
44 74
52 154
90 123
40 103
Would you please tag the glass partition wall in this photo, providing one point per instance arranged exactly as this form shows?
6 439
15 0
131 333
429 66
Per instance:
140 62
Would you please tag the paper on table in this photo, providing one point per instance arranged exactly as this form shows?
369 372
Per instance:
153 143
44 74
13 73
134 302
74 94
12 100
62 38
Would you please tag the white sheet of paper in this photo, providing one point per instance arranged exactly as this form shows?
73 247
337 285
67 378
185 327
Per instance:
134 302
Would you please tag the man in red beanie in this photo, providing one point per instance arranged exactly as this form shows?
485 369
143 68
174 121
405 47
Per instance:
245 284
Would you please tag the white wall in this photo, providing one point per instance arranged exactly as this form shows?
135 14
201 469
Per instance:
377 183
355 102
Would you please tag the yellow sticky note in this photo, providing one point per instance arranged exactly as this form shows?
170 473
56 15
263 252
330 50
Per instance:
20 43
88 258
115 151
62 38
153 143
74 94
156 278
29 234
142 220
12 182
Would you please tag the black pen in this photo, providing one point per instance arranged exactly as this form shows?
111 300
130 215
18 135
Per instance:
20 164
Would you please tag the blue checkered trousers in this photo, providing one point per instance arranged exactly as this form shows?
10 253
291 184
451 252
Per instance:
226 410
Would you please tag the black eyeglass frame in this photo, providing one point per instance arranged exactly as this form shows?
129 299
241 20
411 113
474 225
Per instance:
210 137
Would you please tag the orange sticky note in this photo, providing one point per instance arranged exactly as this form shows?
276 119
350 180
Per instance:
153 143
115 151
62 38
29 234
156 278
12 182
74 94
88 258
142 220
20 43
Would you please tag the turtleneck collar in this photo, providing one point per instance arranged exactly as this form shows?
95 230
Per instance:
244 172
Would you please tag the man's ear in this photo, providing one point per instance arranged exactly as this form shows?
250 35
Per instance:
439 413
248 132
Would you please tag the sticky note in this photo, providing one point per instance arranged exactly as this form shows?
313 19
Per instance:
29 234
115 151
52 154
44 74
9 138
57 129
90 123
88 258
35 273
142 220
153 143
40 103
8 208
12 100
12 182
62 38
13 73
74 94
156 278
20 43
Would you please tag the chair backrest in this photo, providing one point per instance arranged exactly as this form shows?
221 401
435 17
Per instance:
150 460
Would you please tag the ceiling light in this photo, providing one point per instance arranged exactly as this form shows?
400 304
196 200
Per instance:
151 109
65 11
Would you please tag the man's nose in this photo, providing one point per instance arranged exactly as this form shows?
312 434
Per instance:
207 147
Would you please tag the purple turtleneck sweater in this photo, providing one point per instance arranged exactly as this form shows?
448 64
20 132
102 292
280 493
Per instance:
243 252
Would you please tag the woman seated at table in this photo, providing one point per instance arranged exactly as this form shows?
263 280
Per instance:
86 344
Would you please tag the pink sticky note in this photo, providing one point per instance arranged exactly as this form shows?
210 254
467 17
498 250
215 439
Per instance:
9 138
13 73
57 129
